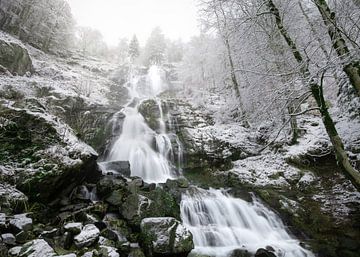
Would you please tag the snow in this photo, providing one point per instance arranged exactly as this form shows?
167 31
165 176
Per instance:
315 141
88 235
21 222
37 248
268 170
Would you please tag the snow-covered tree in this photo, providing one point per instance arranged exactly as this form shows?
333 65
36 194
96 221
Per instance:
122 50
134 48
90 41
46 24
154 52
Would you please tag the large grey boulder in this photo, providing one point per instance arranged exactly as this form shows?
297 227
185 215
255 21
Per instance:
49 158
88 236
165 237
37 248
15 58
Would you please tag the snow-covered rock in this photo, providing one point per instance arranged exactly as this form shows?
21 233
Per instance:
107 251
47 155
37 248
74 228
8 239
165 236
88 235
21 222
15 251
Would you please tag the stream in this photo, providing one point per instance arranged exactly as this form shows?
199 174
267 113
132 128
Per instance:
219 222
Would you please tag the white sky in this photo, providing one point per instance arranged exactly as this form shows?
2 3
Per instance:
123 18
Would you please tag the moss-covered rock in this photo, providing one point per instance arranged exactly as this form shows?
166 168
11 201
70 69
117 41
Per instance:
165 237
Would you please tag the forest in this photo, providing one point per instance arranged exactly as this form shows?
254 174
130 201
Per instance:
241 139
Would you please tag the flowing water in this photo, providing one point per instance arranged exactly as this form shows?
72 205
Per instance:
221 223
149 152
218 222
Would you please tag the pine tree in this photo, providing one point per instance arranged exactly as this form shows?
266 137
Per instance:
134 48
155 47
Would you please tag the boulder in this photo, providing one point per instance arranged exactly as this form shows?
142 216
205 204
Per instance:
116 167
11 199
8 239
150 110
240 253
165 237
264 253
74 228
36 248
47 154
15 58
108 184
88 236
15 251
135 208
21 222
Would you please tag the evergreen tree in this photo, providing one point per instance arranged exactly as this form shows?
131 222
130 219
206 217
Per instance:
155 47
134 48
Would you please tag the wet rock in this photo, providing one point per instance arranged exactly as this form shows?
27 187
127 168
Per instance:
116 167
165 236
88 236
107 251
115 198
36 248
15 58
74 228
150 110
114 235
135 208
8 239
264 253
108 184
21 222
11 198
240 253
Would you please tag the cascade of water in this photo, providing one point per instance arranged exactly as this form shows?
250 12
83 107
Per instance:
221 223
136 142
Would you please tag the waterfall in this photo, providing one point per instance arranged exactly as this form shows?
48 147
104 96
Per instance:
221 223
136 142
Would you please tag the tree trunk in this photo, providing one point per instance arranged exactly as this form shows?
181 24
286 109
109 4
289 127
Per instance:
317 92
352 69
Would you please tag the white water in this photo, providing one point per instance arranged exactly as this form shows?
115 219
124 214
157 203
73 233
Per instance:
221 223
136 142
